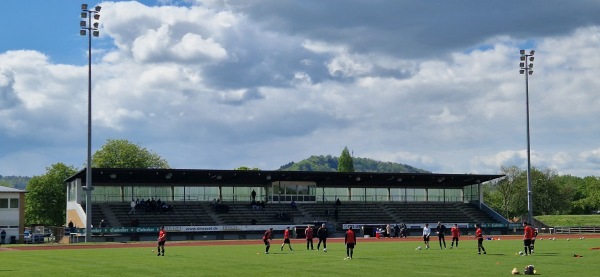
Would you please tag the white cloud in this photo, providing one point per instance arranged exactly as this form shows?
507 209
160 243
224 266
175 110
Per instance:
221 84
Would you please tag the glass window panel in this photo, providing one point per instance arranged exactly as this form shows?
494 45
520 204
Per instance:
14 203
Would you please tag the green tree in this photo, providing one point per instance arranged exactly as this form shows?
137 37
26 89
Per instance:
46 196
509 196
549 197
345 162
120 153
587 194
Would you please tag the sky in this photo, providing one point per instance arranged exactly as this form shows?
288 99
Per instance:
219 84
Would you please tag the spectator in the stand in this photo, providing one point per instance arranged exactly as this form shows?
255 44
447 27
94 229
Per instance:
253 195
322 233
396 230
388 231
308 232
293 205
253 221
262 205
102 225
70 225
336 214
135 222
132 205
338 202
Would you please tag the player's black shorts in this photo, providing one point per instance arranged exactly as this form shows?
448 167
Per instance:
286 241
266 241
441 236
425 238
350 245
527 242
162 243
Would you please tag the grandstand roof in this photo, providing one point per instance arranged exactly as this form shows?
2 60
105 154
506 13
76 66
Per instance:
254 178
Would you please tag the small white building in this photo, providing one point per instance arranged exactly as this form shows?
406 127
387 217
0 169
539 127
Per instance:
12 213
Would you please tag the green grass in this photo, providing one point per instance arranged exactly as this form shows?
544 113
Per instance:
570 220
382 258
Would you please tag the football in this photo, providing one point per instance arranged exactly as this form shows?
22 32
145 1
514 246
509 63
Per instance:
324 249
418 247
521 253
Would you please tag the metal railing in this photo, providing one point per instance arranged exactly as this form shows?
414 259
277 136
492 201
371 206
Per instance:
576 230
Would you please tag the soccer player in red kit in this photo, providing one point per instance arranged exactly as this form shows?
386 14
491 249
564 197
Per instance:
162 238
266 238
527 237
309 237
350 241
479 237
455 235
286 238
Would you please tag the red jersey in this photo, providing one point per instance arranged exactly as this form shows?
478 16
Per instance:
267 235
350 237
455 232
479 233
286 234
308 233
528 232
162 235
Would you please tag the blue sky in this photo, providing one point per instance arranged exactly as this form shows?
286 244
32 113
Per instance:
222 84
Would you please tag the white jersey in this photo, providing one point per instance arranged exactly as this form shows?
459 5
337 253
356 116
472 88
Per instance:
426 231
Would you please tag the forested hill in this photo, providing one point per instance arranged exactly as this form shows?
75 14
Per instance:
18 182
329 163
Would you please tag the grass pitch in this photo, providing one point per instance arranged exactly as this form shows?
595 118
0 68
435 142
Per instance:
372 258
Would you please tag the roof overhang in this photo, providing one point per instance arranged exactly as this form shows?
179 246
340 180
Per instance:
256 178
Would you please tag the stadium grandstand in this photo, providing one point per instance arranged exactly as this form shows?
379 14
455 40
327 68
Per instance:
239 204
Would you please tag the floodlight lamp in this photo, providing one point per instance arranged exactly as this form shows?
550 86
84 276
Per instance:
96 16
530 72
82 32
532 52
531 59
521 71
522 52
82 23
530 65
522 64
96 24
98 8
523 58
84 7
83 15
96 33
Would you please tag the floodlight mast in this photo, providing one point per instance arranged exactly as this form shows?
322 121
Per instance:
527 69
89 28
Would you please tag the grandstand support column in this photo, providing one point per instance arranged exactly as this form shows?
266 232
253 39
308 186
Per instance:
480 191
389 194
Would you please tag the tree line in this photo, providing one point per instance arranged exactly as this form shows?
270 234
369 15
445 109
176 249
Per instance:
552 193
